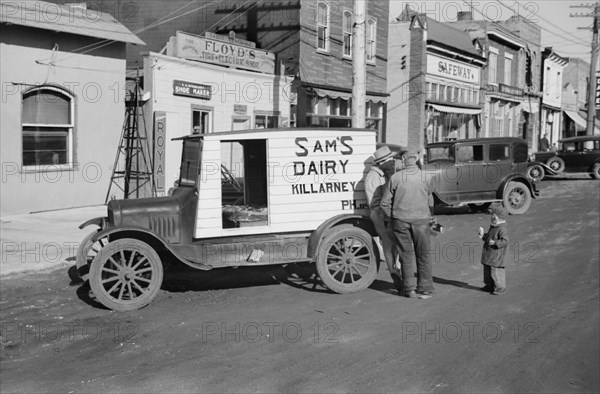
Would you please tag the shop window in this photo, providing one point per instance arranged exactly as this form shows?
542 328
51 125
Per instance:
432 93
266 121
371 40
347 40
244 183
322 26
499 152
469 153
201 120
47 127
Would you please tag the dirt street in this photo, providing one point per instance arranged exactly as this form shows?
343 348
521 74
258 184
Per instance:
264 330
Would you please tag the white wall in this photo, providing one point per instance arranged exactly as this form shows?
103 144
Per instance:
258 92
97 84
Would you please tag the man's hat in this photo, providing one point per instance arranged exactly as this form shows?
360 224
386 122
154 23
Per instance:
382 154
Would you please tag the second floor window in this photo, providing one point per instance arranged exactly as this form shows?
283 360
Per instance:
347 43
371 40
493 62
508 70
322 26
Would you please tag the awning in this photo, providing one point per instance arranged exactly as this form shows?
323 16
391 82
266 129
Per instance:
577 118
532 108
455 110
334 94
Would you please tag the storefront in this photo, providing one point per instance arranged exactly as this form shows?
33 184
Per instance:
452 102
209 84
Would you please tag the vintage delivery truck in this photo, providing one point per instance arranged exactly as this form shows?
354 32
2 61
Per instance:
243 198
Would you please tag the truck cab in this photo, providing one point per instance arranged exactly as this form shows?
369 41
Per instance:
243 198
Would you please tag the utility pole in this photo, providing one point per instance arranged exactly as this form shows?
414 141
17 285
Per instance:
359 72
591 100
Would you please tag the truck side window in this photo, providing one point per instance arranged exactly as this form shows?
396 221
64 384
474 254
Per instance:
244 183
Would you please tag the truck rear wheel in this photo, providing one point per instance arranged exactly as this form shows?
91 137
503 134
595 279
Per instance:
347 262
126 275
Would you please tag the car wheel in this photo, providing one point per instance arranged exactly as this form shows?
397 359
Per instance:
556 163
596 171
347 261
517 198
482 207
126 275
86 252
535 172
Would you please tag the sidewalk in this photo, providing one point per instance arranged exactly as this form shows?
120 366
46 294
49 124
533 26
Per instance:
46 240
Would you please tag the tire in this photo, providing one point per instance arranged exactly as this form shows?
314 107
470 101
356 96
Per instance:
535 172
126 275
517 198
596 171
347 261
556 163
483 207
86 252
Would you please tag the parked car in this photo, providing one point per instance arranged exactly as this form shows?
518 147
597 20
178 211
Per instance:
243 198
478 172
574 154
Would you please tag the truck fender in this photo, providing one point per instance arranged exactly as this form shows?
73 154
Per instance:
100 221
153 240
517 178
357 220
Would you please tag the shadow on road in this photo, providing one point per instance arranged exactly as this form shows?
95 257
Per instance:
455 283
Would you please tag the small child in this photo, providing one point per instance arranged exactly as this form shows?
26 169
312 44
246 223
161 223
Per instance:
494 251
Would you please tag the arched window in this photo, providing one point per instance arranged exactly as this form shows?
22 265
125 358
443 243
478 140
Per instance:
371 40
322 26
47 127
347 43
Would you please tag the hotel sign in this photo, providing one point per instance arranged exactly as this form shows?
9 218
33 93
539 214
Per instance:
204 49
451 69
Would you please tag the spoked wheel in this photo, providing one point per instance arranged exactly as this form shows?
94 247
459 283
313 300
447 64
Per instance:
126 275
347 262
517 198
535 172
86 252
556 163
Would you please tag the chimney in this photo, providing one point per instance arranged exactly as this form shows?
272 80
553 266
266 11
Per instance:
464 16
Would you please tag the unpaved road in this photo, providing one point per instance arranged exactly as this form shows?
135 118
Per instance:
262 330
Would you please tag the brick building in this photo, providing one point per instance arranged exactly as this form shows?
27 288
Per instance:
434 82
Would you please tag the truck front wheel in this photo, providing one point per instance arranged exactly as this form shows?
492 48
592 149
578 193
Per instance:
347 262
126 275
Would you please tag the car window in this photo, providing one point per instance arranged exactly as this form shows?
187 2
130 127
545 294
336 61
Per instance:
569 147
469 153
440 153
499 152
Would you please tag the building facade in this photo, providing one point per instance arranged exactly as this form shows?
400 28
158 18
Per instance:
576 77
192 92
434 82
312 40
552 88
63 81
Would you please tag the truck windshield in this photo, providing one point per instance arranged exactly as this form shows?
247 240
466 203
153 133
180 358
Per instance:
190 157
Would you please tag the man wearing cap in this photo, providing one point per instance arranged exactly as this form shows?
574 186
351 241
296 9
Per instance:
383 167
407 203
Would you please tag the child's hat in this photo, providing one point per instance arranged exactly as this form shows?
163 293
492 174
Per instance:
499 210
